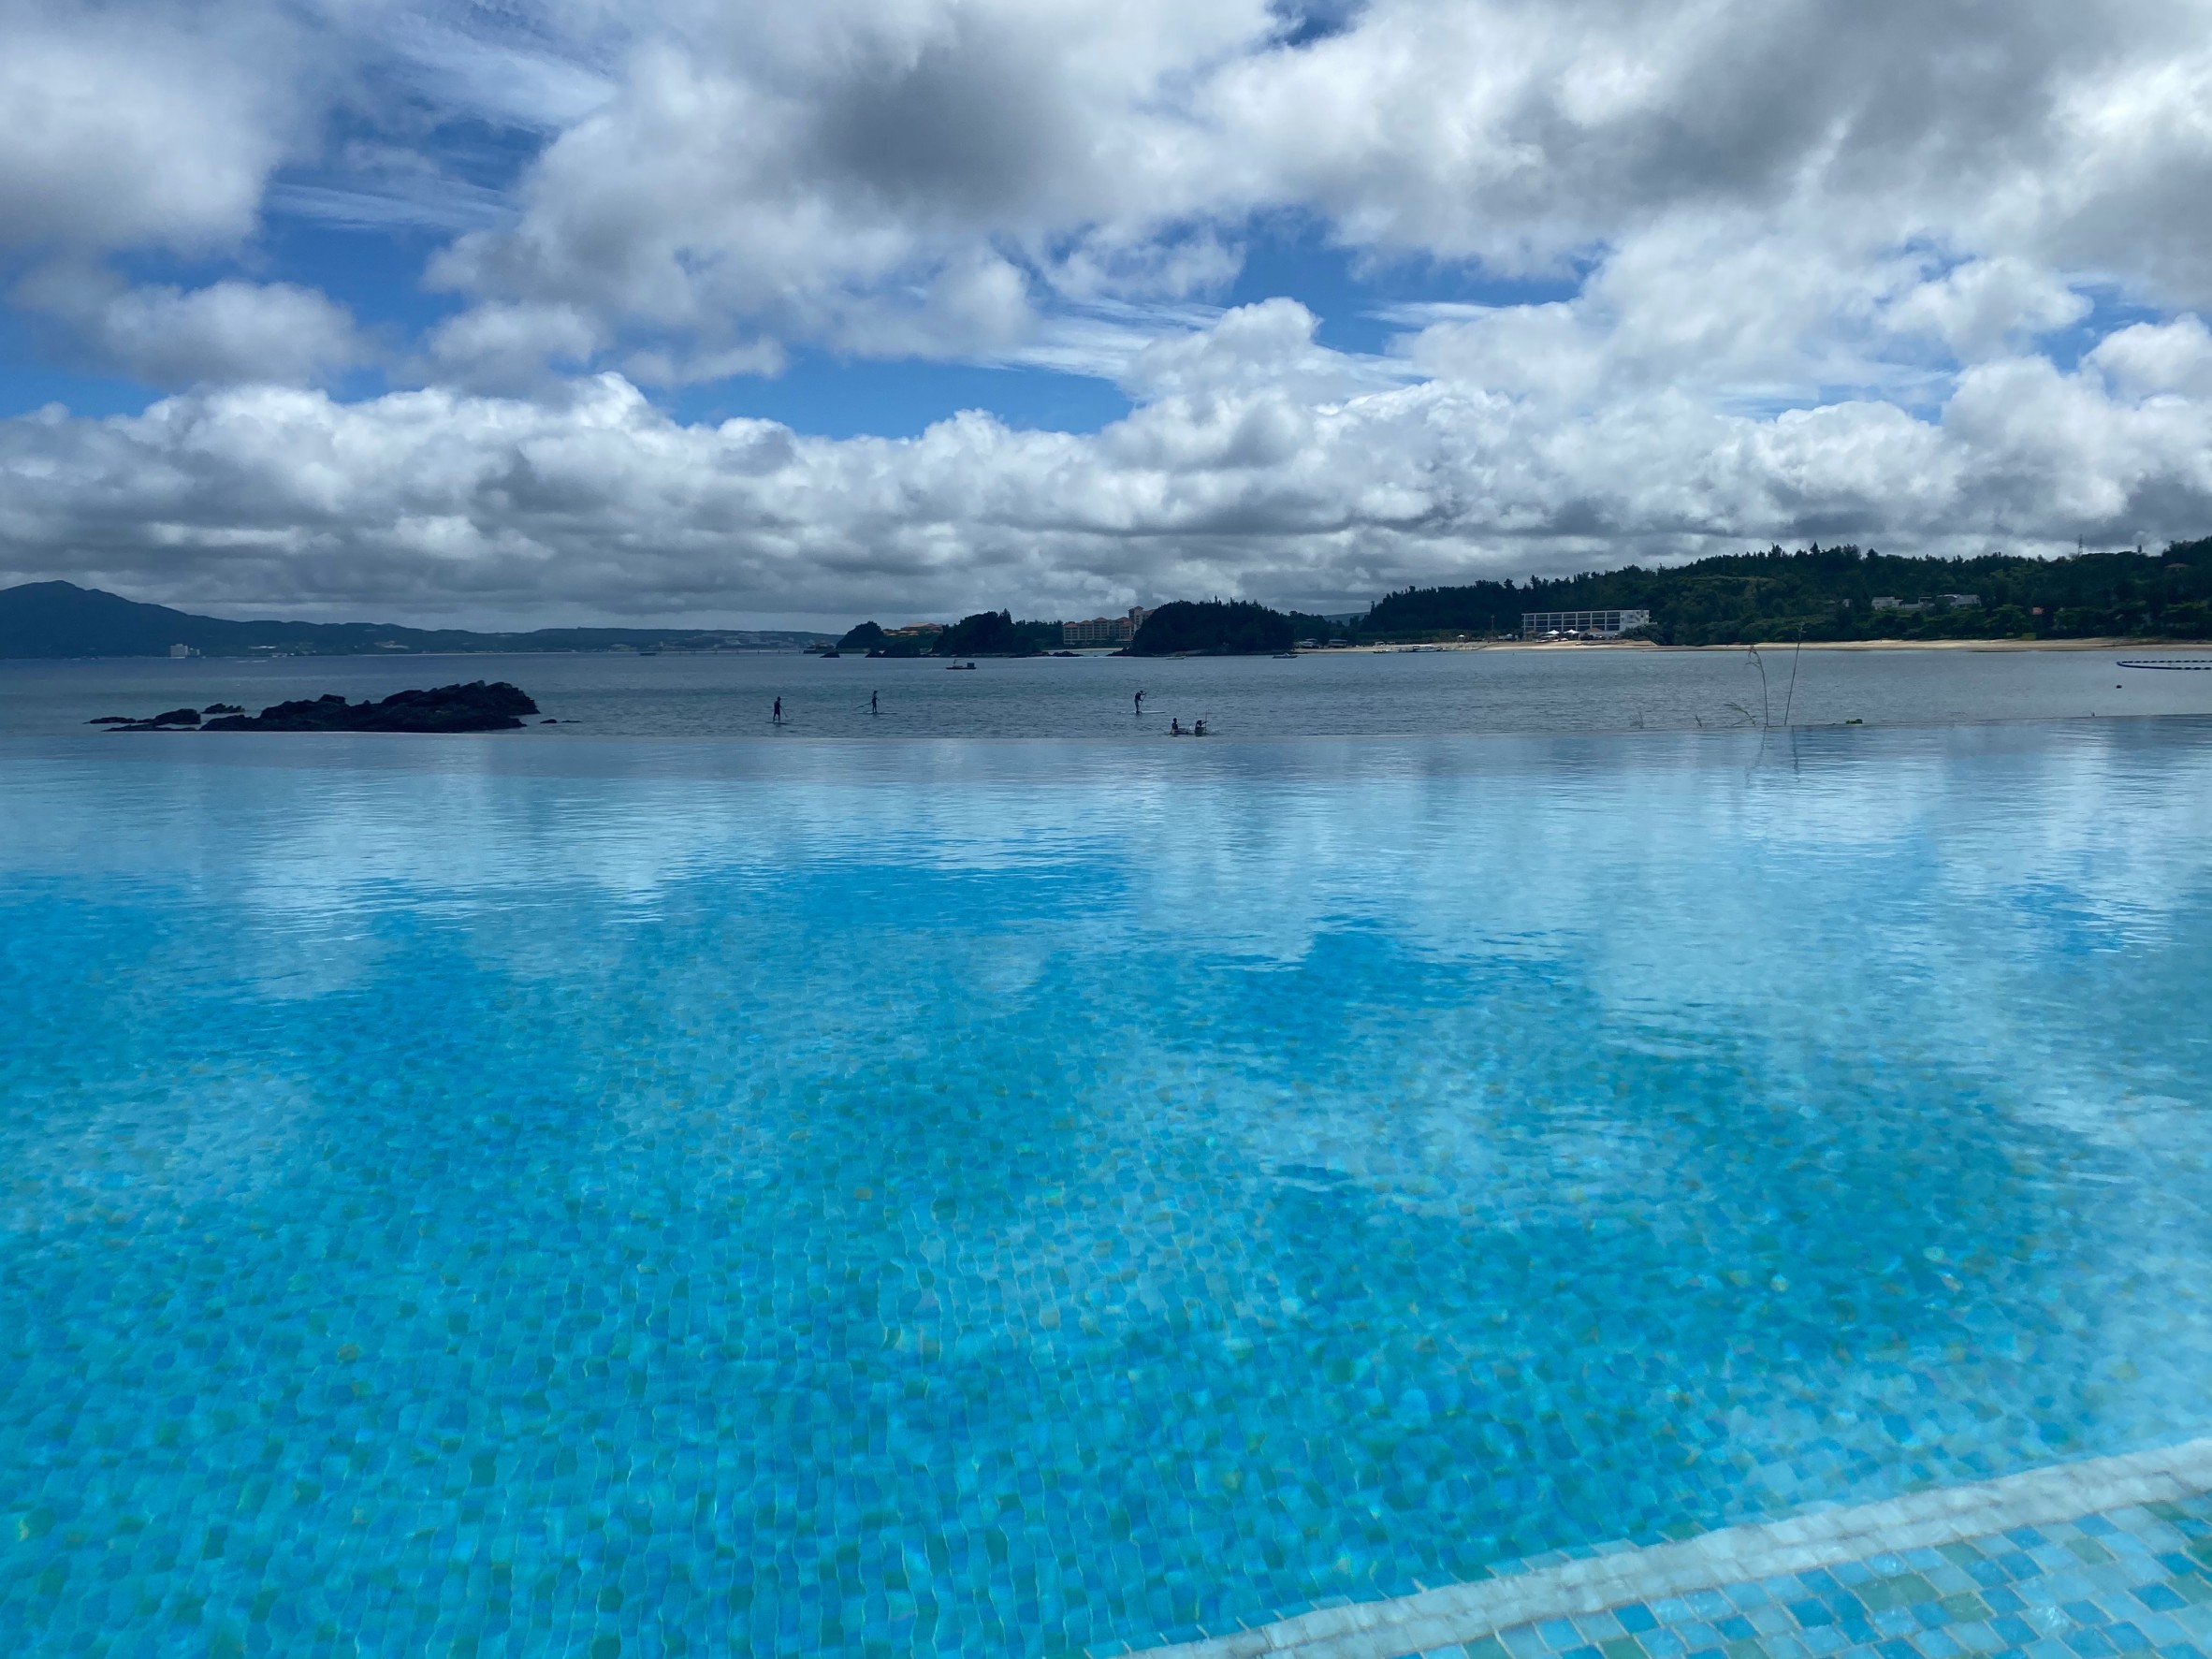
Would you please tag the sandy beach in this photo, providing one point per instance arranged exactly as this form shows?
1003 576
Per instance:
2101 644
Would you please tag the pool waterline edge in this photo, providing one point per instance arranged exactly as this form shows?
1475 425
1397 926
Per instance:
1462 1613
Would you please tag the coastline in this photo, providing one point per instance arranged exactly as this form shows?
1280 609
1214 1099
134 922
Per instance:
2100 643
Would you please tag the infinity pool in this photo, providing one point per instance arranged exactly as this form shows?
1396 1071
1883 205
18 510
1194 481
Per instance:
478 1198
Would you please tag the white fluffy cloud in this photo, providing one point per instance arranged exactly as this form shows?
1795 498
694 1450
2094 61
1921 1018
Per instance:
883 177
512 347
229 331
1809 268
1315 482
145 126
2146 358
822 169
1979 309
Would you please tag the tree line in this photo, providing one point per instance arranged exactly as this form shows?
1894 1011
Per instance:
1815 593
1212 627
986 634
1842 593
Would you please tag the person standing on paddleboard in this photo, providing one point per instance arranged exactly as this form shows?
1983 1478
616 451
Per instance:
872 708
778 715
1139 701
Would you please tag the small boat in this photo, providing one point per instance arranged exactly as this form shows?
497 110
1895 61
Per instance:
959 667
828 654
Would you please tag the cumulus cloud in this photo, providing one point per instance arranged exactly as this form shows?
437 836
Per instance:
513 347
1311 484
227 332
889 181
1980 308
1803 268
789 166
2145 358
1772 202
143 127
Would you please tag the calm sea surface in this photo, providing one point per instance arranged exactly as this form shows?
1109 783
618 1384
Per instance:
580 1194
1322 694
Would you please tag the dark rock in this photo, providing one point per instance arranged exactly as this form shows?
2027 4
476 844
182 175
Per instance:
474 707
223 708
160 723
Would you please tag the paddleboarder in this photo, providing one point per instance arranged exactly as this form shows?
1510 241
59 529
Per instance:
778 716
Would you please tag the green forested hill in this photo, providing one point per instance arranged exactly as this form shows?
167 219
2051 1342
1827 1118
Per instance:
995 633
1215 627
1830 594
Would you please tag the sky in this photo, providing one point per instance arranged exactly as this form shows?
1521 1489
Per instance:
797 312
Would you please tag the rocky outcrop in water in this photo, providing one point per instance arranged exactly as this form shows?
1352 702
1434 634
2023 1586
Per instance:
160 723
477 706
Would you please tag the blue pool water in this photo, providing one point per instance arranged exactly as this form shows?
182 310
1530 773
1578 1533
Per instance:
491 1197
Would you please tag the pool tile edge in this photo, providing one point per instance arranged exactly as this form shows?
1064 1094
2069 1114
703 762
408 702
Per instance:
1456 1613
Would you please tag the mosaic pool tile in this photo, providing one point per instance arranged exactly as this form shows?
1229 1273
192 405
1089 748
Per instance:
2146 1588
995 1199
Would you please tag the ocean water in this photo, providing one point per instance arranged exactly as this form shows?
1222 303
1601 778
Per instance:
495 1196
1092 697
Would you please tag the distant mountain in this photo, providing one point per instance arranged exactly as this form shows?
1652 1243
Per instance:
62 620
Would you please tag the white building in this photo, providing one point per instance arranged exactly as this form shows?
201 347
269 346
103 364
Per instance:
1104 631
1582 624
